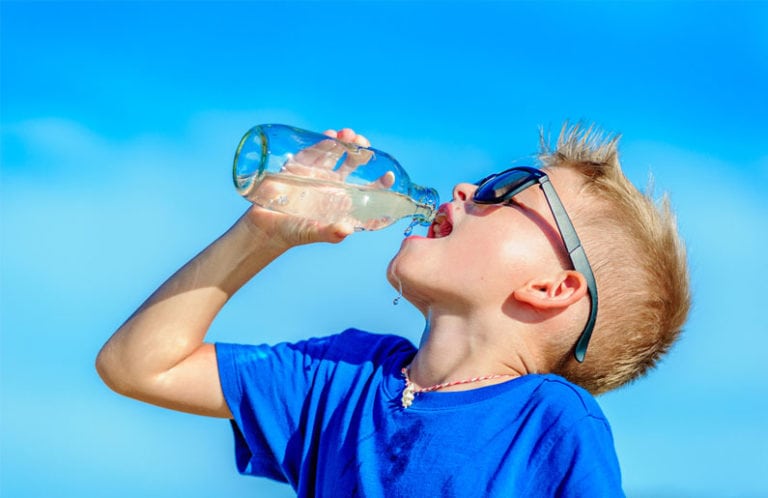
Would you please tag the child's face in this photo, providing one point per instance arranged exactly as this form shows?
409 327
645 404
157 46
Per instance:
476 255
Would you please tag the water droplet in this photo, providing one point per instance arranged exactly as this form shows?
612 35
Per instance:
409 230
396 300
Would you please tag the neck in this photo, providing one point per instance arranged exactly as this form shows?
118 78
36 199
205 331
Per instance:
460 347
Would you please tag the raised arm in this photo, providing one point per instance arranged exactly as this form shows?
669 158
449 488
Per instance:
159 355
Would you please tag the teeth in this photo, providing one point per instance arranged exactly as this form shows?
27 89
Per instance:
441 226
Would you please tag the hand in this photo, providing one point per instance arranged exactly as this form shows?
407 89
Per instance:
285 230
318 161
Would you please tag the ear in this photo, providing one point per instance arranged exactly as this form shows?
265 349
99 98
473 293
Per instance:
559 291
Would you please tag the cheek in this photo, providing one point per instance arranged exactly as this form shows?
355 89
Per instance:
505 260
474 262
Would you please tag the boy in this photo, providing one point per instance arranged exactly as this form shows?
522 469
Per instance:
482 407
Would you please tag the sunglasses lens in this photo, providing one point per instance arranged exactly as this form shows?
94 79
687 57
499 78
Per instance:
501 187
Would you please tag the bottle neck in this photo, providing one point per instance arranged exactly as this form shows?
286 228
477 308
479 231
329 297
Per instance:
427 201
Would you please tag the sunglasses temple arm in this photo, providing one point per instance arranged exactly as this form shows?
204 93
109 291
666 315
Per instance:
581 264
579 259
567 231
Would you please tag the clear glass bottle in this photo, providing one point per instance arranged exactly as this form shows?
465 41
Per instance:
314 176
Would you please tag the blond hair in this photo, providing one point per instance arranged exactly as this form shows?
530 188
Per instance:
638 258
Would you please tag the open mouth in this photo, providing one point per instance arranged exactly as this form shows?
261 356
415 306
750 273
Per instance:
441 226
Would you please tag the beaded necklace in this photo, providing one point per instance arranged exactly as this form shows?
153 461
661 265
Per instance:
409 392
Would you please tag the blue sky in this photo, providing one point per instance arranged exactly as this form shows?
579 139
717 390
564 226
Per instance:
119 123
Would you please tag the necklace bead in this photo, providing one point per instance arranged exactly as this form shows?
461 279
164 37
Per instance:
409 392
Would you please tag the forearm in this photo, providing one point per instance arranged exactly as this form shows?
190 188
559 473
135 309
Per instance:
159 355
171 325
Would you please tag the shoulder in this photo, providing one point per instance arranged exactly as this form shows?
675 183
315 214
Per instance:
574 453
350 346
565 392
571 420
373 345
565 400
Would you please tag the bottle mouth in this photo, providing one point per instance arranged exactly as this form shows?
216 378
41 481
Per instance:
428 201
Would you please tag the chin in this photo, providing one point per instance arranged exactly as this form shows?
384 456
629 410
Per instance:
392 278
400 274
399 266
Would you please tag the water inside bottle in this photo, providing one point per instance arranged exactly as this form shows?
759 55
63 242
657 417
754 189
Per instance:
365 208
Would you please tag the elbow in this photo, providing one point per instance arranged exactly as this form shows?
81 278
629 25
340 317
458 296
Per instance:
103 368
121 373
107 366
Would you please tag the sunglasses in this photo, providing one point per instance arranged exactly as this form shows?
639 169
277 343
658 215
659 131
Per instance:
501 187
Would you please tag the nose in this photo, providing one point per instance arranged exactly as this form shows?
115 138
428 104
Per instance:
463 191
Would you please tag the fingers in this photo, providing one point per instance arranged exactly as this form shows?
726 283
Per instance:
385 181
326 153
357 157
354 156
348 135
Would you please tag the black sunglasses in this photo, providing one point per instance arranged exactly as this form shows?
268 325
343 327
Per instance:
500 187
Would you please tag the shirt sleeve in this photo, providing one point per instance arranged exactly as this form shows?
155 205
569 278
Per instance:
280 396
265 388
589 458
576 457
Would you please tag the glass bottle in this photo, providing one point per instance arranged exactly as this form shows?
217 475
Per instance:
311 175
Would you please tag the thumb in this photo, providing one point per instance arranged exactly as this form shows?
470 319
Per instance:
335 232
309 231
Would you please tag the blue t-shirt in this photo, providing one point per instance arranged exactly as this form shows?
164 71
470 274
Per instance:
325 416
